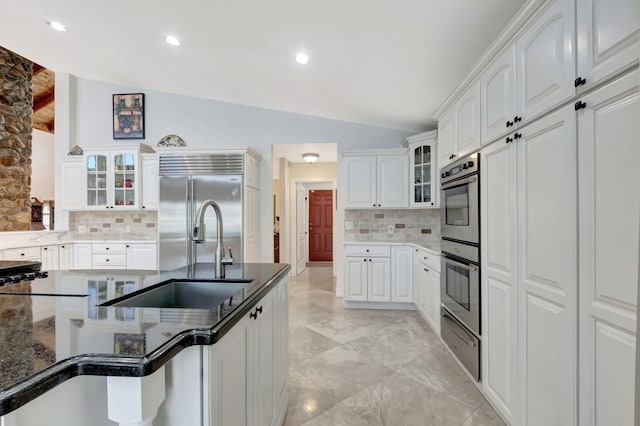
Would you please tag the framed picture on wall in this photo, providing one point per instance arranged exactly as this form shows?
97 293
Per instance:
128 116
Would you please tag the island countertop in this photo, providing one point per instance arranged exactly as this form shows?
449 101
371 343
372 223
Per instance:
53 329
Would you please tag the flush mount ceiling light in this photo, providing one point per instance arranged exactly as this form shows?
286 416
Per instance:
310 157
172 40
302 58
56 26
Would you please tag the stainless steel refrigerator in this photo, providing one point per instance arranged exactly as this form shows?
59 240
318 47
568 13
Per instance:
186 180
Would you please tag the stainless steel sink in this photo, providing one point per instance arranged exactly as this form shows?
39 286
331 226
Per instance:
183 294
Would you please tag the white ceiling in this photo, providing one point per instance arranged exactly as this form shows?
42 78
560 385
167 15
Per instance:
388 63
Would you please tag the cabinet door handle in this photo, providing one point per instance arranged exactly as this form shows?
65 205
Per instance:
508 140
509 123
426 270
579 82
579 105
259 310
45 248
517 136
517 119
253 315
128 246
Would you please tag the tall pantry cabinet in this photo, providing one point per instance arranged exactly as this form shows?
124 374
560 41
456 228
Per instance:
560 128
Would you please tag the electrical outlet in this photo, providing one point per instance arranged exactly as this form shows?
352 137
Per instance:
82 229
127 228
348 225
390 229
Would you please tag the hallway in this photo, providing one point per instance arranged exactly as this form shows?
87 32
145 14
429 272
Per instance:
370 367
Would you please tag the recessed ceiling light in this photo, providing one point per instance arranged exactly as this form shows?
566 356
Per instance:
302 58
172 40
56 26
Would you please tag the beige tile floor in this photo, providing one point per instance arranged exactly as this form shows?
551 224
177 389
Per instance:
370 367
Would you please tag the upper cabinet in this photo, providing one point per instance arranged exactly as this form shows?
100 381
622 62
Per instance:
377 181
498 96
608 39
150 181
422 170
108 179
459 128
545 61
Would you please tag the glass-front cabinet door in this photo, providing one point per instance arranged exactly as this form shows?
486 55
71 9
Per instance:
422 155
97 178
124 179
112 180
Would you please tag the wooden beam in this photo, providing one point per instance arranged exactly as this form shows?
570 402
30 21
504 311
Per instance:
43 99
37 68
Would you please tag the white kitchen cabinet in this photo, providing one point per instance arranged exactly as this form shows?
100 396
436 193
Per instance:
419 290
498 96
252 169
427 273
432 303
607 37
377 181
49 257
21 253
401 274
521 271
65 256
446 141
109 255
282 350
546 60
150 181
245 370
499 281
608 130
82 256
367 273
113 179
423 188
73 179
252 225
466 115
141 256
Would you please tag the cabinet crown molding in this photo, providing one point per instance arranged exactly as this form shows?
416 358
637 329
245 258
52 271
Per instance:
429 136
372 152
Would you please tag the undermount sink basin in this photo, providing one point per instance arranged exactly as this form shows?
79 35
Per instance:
182 294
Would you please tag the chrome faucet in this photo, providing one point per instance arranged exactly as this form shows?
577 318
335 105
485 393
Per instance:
199 235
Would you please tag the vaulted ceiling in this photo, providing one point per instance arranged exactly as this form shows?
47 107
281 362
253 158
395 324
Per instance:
379 62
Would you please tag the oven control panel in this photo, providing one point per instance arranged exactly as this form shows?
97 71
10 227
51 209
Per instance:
463 167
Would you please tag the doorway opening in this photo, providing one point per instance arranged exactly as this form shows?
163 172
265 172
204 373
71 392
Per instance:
304 205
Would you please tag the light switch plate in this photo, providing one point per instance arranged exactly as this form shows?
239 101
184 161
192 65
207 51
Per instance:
348 225
390 229
82 229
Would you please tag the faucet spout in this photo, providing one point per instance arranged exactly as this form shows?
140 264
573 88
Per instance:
199 235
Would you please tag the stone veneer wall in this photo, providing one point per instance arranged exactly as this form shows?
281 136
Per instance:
113 225
15 141
415 226
16 355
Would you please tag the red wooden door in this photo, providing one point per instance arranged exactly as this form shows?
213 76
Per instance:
321 225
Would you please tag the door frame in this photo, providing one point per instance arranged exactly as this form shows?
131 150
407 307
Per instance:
293 210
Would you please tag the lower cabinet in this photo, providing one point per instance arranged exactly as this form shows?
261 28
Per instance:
427 287
49 257
401 269
368 279
65 256
247 368
115 255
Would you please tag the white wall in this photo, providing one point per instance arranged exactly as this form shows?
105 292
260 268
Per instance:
206 123
42 165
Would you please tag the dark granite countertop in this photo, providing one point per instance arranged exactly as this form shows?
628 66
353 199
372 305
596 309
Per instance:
53 329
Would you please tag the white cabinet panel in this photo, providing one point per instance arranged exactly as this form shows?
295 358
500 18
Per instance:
379 279
401 271
547 279
498 95
262 375
49 257
252 225
614 357
393 181
608 130
433 300
446 139
65 256
73 184
499 290
608 37
82 255
545 60
355 279
142 256
150 182
467 121
361 181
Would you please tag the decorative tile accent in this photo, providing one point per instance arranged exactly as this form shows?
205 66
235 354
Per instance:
114 226
416 226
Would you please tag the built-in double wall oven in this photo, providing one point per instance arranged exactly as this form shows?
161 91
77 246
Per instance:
460 274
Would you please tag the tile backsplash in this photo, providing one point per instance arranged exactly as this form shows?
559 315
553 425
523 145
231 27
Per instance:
419 226
114 225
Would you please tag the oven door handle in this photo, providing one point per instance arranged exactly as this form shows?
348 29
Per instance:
455 329
460 265
469 179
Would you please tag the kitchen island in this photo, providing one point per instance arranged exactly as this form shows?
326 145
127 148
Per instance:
59 346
